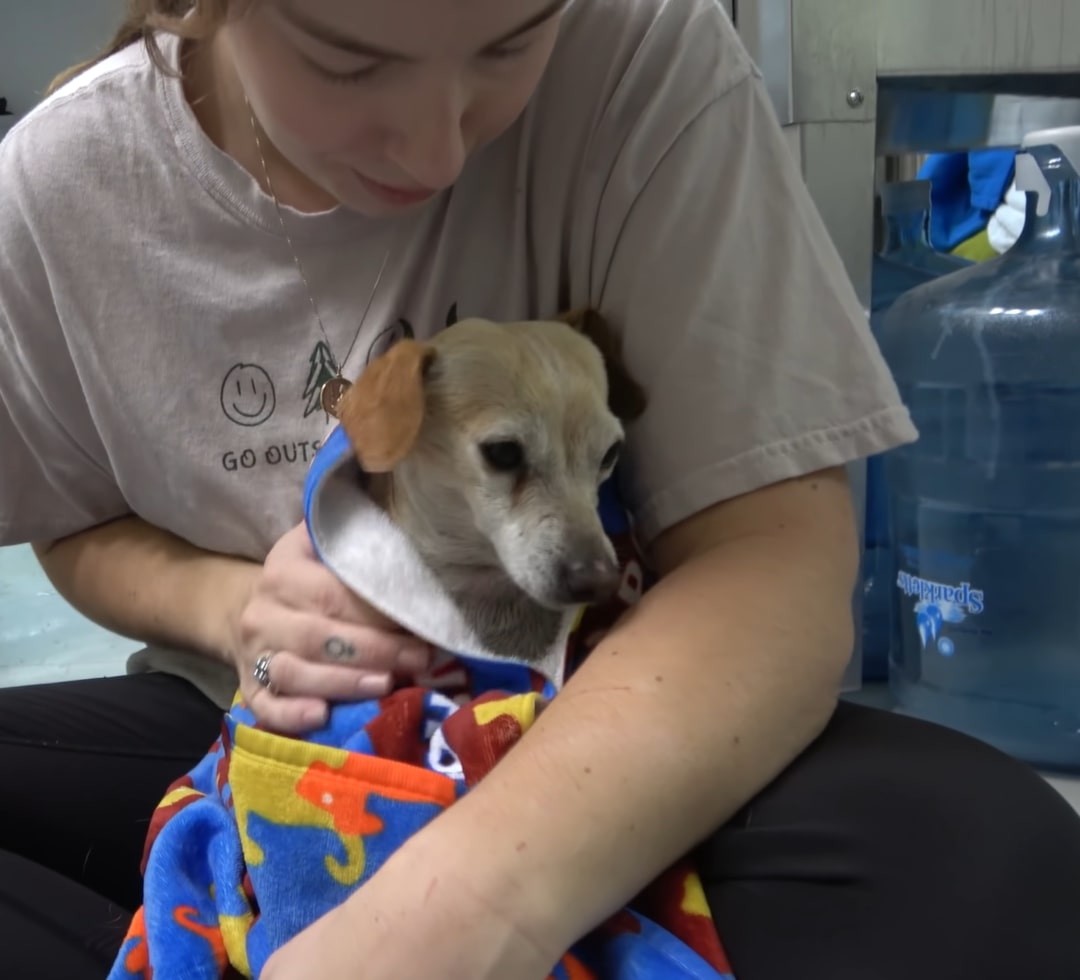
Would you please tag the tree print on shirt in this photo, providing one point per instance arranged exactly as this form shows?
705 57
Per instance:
320 370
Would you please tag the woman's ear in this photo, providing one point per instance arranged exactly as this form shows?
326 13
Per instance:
626 398
383 411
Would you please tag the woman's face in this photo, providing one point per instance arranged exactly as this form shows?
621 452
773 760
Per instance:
380 102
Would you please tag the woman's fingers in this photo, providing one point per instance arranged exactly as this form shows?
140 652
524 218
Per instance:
297 692
305 641
314 661
361 647
320 639
291 716
292 676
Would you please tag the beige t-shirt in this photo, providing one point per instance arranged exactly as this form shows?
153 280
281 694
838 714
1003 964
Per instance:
159 353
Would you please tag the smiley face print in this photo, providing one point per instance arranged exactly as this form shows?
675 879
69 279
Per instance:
247 395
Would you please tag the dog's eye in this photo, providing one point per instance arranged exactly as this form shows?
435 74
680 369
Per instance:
611 457
504 455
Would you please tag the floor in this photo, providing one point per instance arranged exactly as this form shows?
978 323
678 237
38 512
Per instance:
43 639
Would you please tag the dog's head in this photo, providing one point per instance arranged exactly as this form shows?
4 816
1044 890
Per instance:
497 438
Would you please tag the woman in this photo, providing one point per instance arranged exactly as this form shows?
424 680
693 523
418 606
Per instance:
196 238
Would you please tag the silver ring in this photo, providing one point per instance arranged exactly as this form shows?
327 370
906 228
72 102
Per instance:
261 672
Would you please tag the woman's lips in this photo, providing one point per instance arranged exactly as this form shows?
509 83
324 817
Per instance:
395 195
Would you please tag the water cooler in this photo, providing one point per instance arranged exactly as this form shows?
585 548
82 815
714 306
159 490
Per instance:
984 509
866 89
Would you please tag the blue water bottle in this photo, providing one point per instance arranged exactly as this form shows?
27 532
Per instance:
985 506
906 260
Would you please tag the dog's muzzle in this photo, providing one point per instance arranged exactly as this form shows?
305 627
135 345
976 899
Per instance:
589 581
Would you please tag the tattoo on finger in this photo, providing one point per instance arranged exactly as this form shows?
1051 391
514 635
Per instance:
336 648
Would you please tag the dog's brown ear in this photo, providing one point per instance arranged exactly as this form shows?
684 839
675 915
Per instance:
383 411
626 398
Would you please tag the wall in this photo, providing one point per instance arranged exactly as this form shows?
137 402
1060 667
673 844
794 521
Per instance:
39 38
41 637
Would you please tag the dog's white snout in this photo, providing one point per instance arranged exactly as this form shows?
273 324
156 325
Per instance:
589 580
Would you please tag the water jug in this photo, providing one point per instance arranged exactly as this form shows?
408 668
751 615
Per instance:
985 506
906 260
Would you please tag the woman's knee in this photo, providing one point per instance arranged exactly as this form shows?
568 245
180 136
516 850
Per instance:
882 774
920 851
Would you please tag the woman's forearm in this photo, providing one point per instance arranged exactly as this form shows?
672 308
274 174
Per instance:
721 675
140 581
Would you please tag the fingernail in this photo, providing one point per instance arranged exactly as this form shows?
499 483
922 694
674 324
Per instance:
315 716
373 685
414 660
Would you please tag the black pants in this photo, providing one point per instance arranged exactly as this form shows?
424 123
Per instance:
890 850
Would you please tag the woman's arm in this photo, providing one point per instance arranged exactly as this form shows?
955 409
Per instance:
146 583
719 677
140 581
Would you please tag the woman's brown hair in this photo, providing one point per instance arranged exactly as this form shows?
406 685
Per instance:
195 19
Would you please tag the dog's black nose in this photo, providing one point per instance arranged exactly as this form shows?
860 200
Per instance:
590 581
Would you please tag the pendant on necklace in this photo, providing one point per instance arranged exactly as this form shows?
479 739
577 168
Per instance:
331 393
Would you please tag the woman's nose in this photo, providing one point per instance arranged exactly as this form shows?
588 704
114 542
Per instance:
431 141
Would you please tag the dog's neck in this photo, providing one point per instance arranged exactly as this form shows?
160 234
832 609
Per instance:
508 621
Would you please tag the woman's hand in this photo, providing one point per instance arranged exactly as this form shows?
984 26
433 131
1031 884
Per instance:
325 643
418 916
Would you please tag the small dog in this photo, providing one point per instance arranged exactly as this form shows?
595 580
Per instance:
487 446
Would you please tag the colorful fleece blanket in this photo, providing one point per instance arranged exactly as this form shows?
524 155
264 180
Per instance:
267 833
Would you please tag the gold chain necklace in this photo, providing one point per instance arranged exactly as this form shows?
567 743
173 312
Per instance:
332 391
